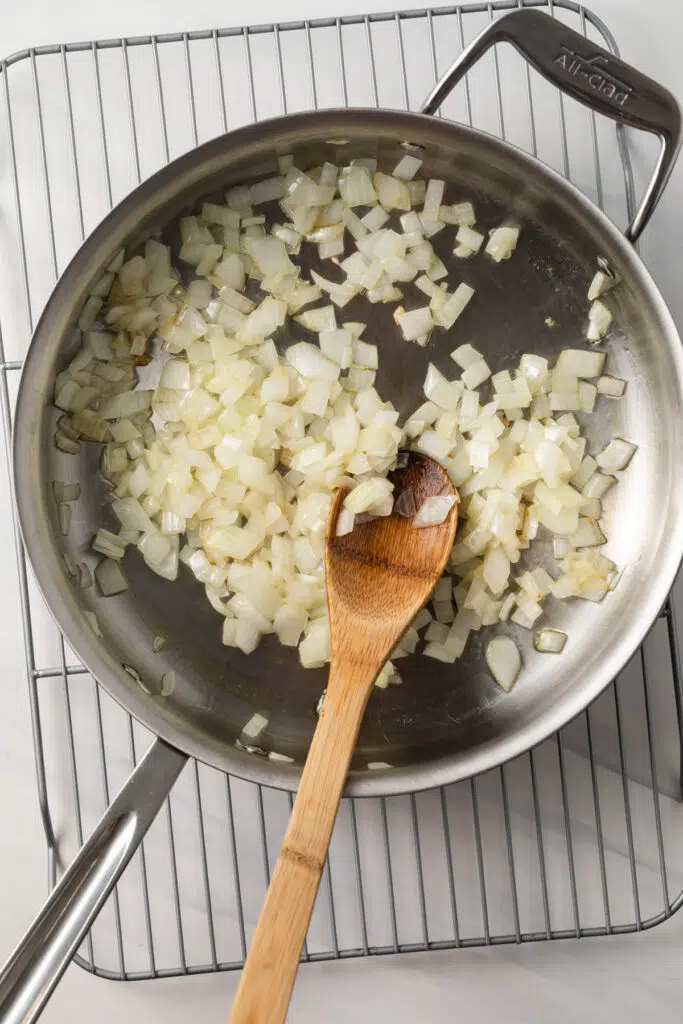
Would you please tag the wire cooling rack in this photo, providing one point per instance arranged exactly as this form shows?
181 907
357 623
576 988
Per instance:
579 837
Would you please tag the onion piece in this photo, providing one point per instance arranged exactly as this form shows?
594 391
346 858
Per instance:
83 576
584 472
125 405
602 282
93 622
387 676
441 652
453 307
367 495
314 649
579 363
458 213
463 252
433 198
109 544
611 387
443 393
109 578
550 641
616 455
507 608
345 521
254 727
433 511
405 504
502 242
375 219
475 374
355 186
89 313
168 683
496 570
407 167
466 356
131 515
599 319
66 444
437 632
587 535
597 485
561 547
415 323
280 758
175 374
392 193
64 515
308 360
469 239
504 661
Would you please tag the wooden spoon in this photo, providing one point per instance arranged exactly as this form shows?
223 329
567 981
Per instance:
378 578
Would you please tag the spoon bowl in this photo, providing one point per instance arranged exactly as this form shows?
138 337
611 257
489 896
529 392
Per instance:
385 569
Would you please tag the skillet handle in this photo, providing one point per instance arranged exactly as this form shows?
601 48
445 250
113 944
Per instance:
588 73
28 978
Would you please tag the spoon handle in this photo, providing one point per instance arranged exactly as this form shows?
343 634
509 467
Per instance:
269 972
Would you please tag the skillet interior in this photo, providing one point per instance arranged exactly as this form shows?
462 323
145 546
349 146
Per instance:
444 722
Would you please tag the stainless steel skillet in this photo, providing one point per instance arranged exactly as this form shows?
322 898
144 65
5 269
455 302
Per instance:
442 724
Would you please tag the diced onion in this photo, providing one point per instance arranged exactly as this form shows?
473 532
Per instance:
387 676
66 492
454 306
597 485
407 167
310 363
469 239
502 242
496 570
579 363
109 544
476 374
110 578
345 521
466 356
168 683
64 513
93 622
602 282
405 503
550 641
433 511
415 323
587 534
280 758
615 456
611 387
254 727
599 319
504 661
368 495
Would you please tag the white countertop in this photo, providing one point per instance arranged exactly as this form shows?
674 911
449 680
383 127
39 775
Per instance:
625 979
